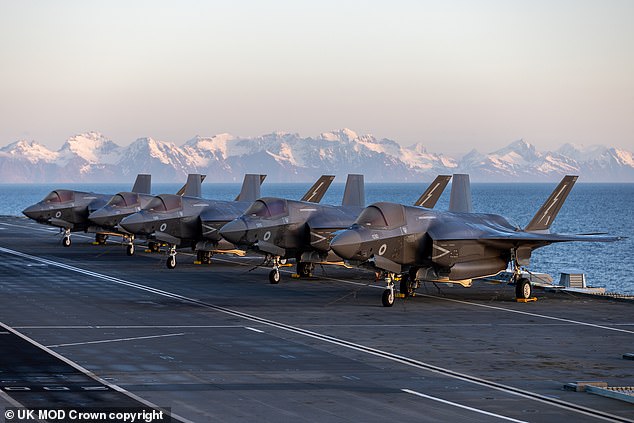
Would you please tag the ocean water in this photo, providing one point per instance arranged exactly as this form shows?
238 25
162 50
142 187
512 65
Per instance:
590 208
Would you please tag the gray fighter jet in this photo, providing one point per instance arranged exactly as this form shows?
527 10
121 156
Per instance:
282 229
124 204
194 221
69 210
177 220
214 218
455 246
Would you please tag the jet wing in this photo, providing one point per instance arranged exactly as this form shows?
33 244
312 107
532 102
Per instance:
550 238
521 237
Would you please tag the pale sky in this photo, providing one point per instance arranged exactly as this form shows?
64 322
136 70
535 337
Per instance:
453 75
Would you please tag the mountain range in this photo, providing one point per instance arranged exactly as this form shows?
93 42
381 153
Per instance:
286 157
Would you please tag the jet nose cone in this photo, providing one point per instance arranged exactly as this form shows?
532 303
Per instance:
234 231
134 224
346 244
101 217
34 212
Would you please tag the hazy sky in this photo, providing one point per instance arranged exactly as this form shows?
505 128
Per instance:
451 74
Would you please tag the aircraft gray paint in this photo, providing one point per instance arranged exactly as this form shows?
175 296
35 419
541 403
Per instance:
192 220
282 229
124 204
214 218
453 246
175 219
69 209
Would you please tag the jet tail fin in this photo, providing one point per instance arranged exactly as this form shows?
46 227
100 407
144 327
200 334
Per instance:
193 187
460 200
354 193
319 188
547 212
142 184
250 187
433 192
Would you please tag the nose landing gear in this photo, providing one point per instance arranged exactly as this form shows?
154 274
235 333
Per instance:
388 295
66 241
171 258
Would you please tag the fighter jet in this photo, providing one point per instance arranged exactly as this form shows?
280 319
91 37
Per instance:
196 220
124 204
214 218
285 229
69 210
453 246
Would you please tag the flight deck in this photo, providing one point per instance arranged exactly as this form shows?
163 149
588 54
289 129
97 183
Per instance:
90 325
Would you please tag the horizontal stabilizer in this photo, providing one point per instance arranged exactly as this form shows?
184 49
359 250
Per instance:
433 192
460 200
250 187
143 184
547 213
354 193
319 188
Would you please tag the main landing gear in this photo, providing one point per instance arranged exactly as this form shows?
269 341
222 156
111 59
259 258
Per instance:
523 287
100 239
408 284
305 269
203 257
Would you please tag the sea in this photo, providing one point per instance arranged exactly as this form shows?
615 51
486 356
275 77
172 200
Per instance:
590 208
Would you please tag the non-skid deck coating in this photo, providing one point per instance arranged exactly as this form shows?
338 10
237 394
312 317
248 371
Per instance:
219 343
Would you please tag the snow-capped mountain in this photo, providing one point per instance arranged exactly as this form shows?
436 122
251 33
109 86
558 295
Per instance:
91 157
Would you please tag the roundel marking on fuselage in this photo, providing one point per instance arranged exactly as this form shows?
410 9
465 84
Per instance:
58 214
267 235
382 249
163 227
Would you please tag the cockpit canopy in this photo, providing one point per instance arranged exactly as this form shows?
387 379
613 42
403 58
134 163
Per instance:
124 199
59 196
268 208
382 216
164 203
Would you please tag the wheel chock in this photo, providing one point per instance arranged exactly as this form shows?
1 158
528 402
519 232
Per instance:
198 262
526 300
399 295
295 276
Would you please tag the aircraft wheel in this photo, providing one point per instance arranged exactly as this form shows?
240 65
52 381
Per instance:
171 262
274 276
405 287
66 241
388 298
523 288
130 250
303 269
